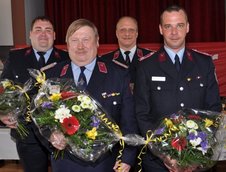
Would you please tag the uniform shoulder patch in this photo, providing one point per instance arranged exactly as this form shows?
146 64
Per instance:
64 70
102 67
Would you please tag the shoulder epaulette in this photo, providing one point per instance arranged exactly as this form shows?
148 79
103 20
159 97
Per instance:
48 66
147 56
120 64
201 52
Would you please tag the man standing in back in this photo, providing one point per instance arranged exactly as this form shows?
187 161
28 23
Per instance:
40 55
128 54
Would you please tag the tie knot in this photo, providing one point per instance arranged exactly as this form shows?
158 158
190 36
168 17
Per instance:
176 58
82 68
127 52
41 53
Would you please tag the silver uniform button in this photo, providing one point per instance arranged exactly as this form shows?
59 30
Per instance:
114 103
158 88
181 88
182 104
16 76
201 84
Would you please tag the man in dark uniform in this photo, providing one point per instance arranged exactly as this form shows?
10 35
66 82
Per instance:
166 84
108 84
32 153
128 54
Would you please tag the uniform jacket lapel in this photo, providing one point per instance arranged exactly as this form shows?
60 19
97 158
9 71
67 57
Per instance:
96 79
187 63
166 64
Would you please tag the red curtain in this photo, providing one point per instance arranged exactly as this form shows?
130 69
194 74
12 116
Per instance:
206 17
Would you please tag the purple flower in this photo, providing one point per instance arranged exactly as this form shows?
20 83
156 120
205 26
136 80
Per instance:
204 145
159 131
47 105
191 136
95 121
202 135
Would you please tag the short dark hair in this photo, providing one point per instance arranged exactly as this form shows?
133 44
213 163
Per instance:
43 18
174 8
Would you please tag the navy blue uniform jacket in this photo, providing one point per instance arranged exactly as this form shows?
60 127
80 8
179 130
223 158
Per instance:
15 69
117 57
108 78
160 90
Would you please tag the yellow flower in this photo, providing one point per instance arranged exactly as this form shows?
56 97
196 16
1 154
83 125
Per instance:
208 122
170 125
41 78
55 97
92 133
6 84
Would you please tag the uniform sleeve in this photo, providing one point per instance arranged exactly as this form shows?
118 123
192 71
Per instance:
213 101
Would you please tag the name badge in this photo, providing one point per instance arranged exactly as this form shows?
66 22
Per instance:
158 78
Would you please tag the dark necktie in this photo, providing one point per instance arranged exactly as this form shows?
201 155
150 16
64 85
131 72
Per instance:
82 83
177 63
127 57
41 60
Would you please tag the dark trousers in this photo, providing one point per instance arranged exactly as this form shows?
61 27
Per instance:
151 163
33 156
66 165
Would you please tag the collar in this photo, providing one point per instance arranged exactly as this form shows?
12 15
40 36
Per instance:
46 55
172 54
131 54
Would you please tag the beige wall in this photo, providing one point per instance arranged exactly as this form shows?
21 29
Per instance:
6 35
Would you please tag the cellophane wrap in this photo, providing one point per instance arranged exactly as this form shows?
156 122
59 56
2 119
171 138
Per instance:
13 102
88 129
12 98
189 139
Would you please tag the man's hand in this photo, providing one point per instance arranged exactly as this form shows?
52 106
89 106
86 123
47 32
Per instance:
58 140
172 165
121 167
9 121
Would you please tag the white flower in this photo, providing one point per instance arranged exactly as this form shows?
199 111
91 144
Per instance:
84 105
61 113
196 141
84 98
76 108
192 124
193 131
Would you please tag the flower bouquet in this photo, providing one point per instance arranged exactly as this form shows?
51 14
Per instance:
13 102
88 130
187 140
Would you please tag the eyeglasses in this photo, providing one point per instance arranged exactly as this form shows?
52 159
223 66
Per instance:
130 31
169 27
